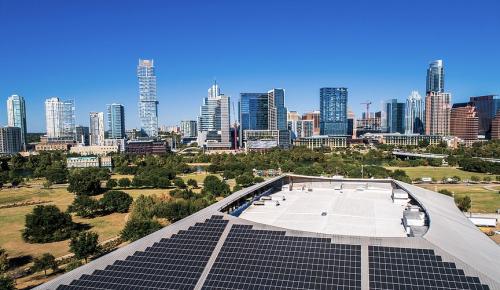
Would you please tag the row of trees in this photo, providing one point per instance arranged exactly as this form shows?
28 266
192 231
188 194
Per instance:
112 201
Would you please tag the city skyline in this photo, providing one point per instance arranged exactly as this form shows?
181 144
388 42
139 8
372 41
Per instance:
93 78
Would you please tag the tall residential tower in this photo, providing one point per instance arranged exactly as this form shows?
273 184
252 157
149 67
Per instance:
60 118
333 111
16 116
415 121
435 77
437 113
148 102
116 121
97 128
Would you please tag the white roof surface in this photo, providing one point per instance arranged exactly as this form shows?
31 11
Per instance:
370 212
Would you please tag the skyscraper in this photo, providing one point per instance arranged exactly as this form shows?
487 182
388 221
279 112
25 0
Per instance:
415 114
464 122
97 130
214 120
437 113
148 102
394 113
435 77
277 110
116 121
333 111
487 108
60 118
253 112
16 116
315 117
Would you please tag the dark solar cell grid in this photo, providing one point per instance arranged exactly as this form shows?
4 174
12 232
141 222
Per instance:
406 268
173 263
259 259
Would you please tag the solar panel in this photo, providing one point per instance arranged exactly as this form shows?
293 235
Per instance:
262 259
173 263
407 268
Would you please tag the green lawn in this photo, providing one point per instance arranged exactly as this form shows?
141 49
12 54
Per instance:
483 200
438 172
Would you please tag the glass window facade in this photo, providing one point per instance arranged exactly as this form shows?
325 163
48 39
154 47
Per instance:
333 111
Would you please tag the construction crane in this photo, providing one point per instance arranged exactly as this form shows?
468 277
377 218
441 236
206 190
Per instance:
367 103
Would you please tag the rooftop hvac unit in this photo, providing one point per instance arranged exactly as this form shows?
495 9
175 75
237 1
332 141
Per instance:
267 197
258 203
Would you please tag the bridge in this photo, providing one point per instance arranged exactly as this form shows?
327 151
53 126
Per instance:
420 155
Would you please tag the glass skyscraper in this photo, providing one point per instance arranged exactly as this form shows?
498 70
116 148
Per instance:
277 110
394 117
333 111
60 118
16 116
435 77
116 121
148 102
487 107
214 120
415 114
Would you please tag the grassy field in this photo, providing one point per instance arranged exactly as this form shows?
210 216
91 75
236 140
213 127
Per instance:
12 219
485 199
438 172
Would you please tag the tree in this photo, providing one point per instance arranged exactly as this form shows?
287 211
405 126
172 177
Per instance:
4 261
475 178
163 182
136 228
47 224
85 206
191 182
47 184
463 203
124 182
258 179
446 192
401 175
73 264
487 179
214 186
45 262
116 201
245 180
56 174
84 181
179 183
84 245
6 282
110 184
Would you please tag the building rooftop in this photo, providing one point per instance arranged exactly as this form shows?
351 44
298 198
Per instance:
220 247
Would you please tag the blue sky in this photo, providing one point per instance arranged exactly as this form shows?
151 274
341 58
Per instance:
88 50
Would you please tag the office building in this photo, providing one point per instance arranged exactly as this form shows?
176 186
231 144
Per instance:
189 129
351 124
314 116
145 147
437 113
214 120
435 77
60 118
277 110
97 131
301 128
487 108
116 121
10 140
82 135
371 123
96 150
148 102
415 115
16 116
322 141
464 122
495 127
394 117
253 113
333 111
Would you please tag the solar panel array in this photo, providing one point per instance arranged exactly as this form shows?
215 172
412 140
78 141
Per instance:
173 263
262 259
406 268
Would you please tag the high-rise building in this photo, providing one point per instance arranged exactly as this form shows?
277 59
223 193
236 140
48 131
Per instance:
293 116
97 131
301 128
189 129
415 117
277 110
351 124
435 77
60 118
495 127
10 140
437 113
16 116
214 120
333 111
116 121
314 116
487 108
464 122
82 135
148 102
394 116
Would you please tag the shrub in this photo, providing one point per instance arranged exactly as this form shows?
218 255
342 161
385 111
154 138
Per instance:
124 182
6 282
445 192
85 206
463 203
179 183
191 182
110 184
85 181
73 264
